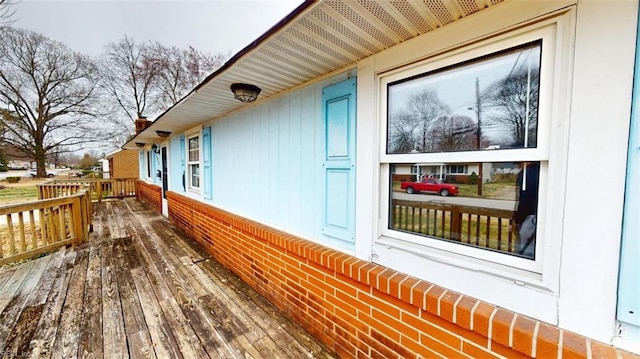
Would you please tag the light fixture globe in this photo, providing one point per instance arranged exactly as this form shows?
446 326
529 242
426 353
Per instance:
163 134
244 92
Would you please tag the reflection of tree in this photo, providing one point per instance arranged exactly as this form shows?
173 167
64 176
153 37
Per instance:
410 130
401 132
511 99
453 133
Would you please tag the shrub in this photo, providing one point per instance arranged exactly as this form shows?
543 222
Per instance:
13 179
473 178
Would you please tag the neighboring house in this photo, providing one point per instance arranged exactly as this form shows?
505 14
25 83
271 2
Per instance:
122 164
293 192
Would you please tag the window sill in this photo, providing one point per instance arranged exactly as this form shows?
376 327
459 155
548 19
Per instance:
515 289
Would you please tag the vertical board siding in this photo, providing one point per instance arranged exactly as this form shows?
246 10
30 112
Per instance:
207 175
268 162
175 171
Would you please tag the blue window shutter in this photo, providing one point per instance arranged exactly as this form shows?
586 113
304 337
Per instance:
629 278
339 115
206 163
183 164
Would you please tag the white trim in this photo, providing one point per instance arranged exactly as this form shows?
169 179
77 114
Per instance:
189 163
533 289
540 153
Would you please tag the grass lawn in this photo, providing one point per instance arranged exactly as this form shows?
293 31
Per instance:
23 191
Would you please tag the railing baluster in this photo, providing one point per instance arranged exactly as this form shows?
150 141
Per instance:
23 244
12 239
32 226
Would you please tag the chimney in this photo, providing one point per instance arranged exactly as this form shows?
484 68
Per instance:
141 124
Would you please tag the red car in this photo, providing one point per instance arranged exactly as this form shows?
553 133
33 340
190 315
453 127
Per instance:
430 185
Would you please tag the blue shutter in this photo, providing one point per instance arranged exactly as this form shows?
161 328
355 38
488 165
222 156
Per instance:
206 165
154 166
629 279
338 112
183 158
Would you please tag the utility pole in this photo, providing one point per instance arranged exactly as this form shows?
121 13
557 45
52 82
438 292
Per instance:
479 139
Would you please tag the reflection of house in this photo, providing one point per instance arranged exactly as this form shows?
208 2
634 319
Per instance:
309 228
453 172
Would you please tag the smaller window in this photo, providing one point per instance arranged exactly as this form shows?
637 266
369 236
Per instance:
194 162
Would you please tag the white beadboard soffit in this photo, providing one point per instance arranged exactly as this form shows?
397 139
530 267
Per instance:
316 39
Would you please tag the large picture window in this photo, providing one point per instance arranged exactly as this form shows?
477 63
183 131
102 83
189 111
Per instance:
194 162
463 157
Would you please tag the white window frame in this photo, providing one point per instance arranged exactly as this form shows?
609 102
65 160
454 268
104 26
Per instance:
465 168
532 279
191 163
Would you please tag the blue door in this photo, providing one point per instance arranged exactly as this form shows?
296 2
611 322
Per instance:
338 111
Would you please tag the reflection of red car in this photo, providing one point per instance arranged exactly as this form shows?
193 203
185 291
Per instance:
431 185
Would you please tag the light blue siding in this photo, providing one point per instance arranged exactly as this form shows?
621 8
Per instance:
629 280
339 163
175 163
142 168
268 163
155 160
206 163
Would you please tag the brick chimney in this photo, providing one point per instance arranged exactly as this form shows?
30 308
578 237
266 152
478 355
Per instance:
141 124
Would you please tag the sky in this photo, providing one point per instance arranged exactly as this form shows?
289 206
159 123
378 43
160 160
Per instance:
213 26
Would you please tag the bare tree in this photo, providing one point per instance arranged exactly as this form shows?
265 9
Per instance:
514 104
179 71
402 133
143 79
6 12
48 92
129 73
453 133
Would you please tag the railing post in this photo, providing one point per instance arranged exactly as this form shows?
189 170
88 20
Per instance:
78 220
99 190
456 223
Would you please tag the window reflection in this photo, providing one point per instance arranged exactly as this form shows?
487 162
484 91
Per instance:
450 201
489 103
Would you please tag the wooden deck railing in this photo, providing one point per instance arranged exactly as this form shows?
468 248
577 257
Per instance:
31 228
477 226
99 189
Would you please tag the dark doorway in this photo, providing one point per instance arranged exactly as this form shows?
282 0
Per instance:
165 174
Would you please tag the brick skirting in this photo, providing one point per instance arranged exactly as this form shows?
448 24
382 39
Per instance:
363 310
149 193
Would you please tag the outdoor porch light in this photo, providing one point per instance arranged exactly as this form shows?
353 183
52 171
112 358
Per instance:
140 144
155 149
245 93
163 134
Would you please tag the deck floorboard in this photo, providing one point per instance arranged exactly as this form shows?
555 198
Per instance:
139 289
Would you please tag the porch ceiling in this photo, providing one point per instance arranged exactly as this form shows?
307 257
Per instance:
315 39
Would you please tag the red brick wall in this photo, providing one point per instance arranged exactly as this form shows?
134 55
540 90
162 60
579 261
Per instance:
150 194
364 310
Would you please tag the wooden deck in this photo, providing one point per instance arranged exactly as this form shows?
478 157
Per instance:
139 290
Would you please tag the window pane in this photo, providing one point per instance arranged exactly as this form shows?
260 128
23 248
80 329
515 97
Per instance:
194 153
491 205
195 175
487 103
